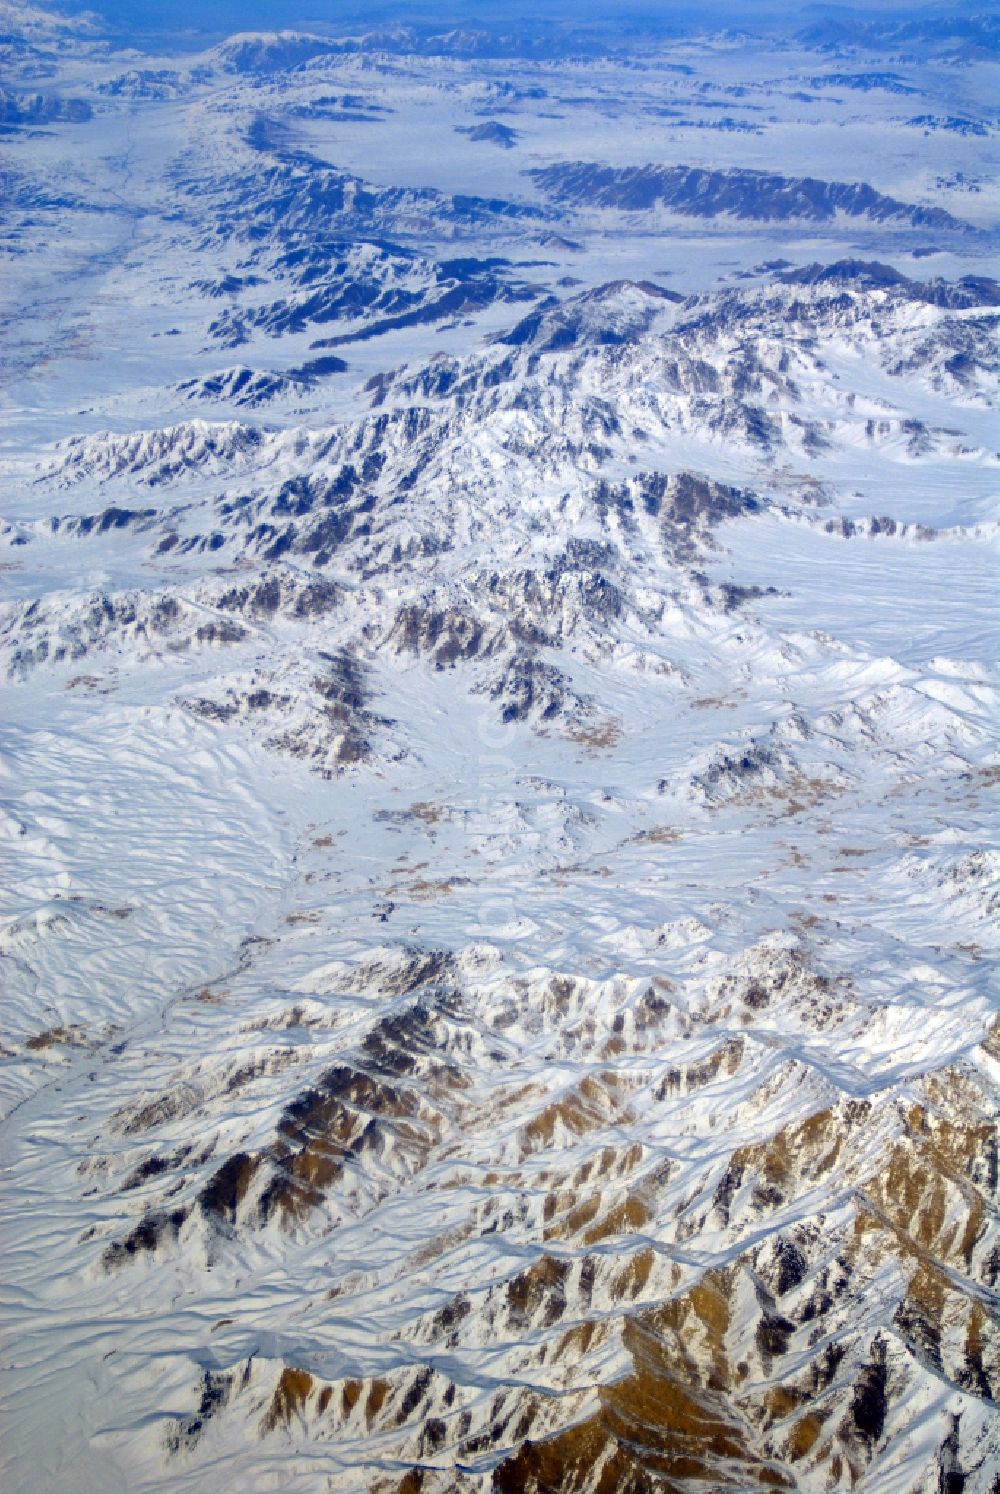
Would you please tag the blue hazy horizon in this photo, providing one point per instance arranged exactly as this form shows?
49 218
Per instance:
229 15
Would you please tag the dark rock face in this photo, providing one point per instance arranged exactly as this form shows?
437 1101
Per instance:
153 1230
868 1405
247 388
959 295
491 132
529 687
222 1194
446 636
742 193
368 286
24 110
588 320
972 35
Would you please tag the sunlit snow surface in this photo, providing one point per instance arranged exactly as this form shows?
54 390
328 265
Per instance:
499 927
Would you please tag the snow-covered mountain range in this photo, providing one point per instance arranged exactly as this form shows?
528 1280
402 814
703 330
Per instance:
500 721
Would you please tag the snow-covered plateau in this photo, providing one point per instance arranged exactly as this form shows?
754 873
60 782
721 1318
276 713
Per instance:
499 632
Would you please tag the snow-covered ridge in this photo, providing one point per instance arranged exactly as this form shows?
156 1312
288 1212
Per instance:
718 364
160 454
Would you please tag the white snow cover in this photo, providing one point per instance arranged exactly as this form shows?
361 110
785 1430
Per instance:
499 945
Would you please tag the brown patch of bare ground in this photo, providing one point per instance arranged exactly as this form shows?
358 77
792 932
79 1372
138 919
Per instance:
289 1399
604 736
57 1037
